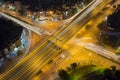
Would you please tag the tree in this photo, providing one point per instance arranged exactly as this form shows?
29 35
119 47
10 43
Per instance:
73 65
64 75
107 73
100 25
118 74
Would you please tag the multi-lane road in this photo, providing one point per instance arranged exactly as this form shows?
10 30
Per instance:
37 59
80 54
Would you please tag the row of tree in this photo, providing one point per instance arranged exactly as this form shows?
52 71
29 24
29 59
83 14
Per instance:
110 73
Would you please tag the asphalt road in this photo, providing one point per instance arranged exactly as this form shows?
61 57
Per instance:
29 66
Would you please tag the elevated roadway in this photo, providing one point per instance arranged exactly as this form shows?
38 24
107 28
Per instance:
34 62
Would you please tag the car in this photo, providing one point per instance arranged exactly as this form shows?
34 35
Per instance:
87 26
50 61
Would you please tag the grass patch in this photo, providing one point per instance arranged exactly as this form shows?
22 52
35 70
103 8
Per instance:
80 72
